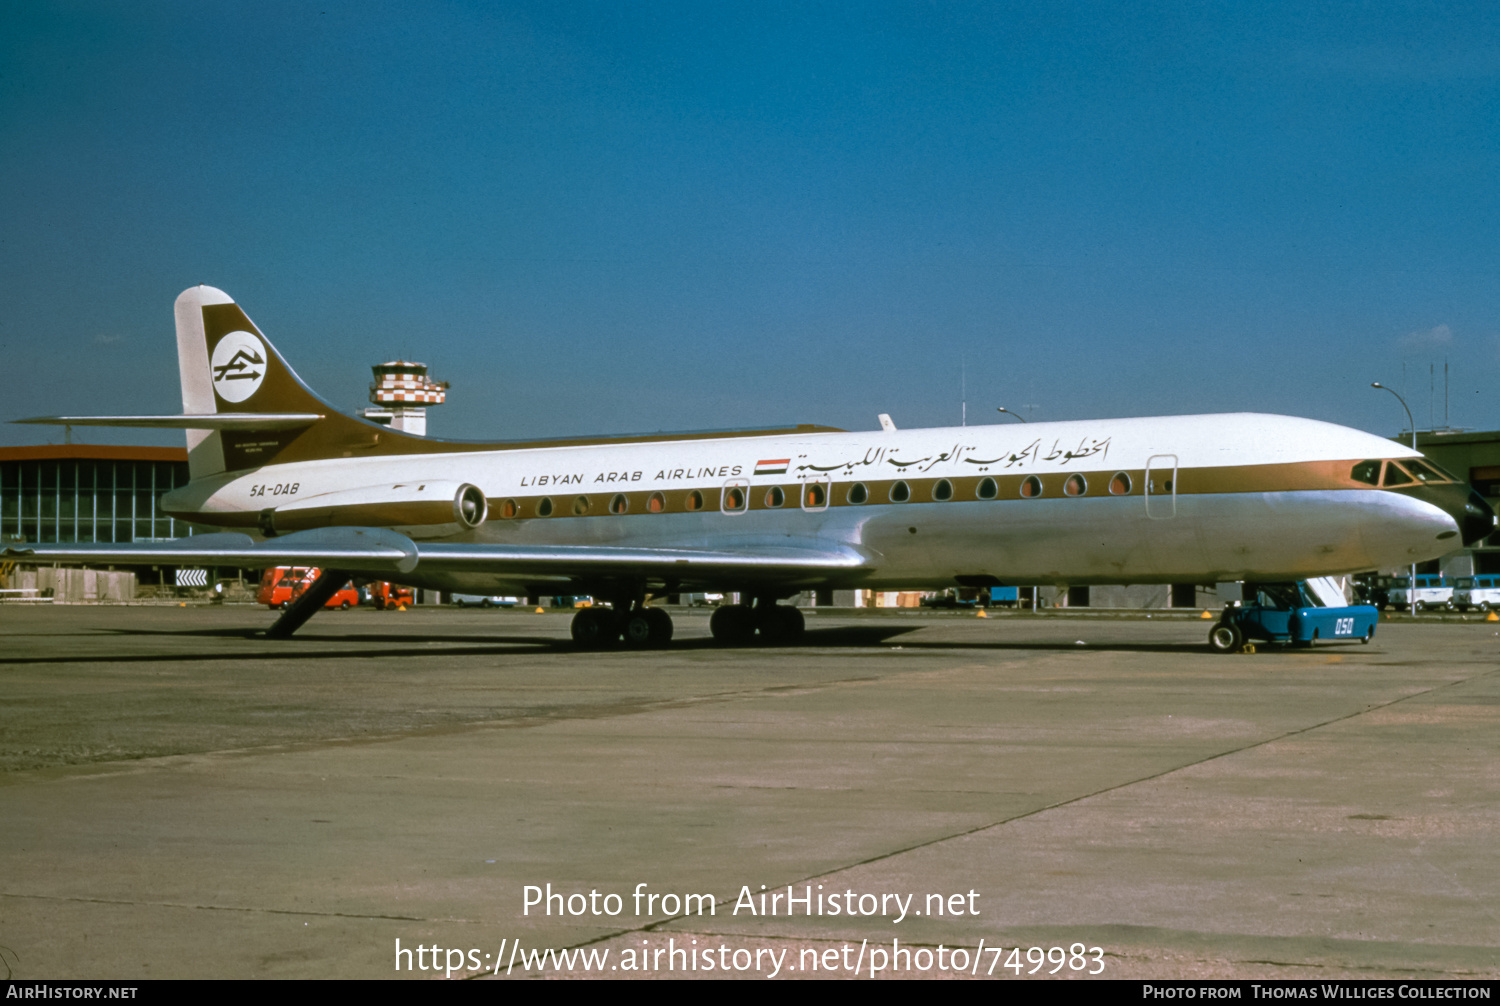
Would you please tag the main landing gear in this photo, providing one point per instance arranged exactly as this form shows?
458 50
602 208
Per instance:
637 626
737 624
640 627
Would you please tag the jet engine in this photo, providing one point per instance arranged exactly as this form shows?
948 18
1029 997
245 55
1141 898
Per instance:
416 509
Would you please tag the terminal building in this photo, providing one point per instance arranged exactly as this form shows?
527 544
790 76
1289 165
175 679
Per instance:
89 493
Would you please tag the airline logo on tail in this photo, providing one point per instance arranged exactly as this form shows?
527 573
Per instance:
238 366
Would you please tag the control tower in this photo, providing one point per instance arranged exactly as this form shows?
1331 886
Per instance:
401 393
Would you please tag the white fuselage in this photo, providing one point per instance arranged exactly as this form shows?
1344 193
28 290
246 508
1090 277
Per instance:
1219 497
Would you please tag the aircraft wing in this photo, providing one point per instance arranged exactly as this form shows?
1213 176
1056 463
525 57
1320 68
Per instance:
384 553
360 549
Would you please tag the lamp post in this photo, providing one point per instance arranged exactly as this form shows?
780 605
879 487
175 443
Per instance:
1001 408
1411 589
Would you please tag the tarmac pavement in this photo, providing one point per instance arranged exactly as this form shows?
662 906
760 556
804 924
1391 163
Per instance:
181 798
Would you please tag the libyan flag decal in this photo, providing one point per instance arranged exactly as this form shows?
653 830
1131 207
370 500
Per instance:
774 467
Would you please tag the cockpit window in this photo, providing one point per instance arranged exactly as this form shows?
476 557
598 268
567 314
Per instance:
1395 475
1423 471
1367 472
1445 473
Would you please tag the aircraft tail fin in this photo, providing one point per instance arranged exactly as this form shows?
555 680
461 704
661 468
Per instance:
260 410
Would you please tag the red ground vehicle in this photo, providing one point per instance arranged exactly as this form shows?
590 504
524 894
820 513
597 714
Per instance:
285 584
390 595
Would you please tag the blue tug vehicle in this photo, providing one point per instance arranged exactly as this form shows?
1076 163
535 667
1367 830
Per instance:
1288 613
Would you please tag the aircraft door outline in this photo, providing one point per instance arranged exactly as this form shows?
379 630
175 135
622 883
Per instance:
734 498
1161 486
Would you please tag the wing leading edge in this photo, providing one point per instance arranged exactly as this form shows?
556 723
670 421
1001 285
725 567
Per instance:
384 553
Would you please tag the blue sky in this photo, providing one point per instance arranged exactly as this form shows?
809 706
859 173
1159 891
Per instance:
615 217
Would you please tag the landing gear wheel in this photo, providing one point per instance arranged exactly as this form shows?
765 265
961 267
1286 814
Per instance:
343 605
594 628
780 625
1226 637
636 628
661 626
732 624
1369 635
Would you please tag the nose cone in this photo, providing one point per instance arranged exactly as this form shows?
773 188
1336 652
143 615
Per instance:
1468 509
1475 520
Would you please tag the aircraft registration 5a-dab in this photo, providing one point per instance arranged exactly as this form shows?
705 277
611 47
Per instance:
764 513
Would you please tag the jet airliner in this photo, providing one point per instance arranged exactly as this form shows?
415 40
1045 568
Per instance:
289 480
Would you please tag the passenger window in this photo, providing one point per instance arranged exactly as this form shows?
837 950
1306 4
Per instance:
943 491
509 509
815 495
544 507
775 497
1075 486
987 490
735 498
657 503
580 506
619 504
1120 484
900 492
1367 472
1031 487
858 493
694 500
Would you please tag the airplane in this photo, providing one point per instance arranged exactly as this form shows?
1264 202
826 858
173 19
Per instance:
768 513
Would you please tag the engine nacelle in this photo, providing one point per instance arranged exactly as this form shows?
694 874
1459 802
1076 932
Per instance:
417 509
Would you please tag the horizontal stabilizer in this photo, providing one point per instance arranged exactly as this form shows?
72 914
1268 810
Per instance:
204 421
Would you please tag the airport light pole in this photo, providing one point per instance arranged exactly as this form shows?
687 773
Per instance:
1411 587
1001 408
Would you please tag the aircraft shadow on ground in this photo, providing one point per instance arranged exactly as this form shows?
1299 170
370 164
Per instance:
364 645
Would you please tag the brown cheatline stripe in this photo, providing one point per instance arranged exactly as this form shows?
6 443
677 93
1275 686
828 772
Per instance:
606 501
1306 475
